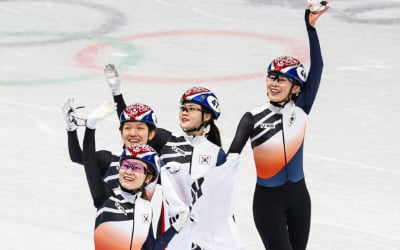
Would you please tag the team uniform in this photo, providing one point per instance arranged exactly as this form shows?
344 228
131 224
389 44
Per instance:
197 156
108 163
123 218
281 205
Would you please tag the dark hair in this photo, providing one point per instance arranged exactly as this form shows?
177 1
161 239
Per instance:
213 135
150 171
145 194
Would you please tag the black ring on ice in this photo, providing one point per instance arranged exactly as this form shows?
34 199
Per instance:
114 19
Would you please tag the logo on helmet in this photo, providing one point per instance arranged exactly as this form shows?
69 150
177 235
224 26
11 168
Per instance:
301 73
213 103
153 115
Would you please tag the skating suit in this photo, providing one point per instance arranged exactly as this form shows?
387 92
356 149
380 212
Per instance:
281 207
123 222
197 155
123 218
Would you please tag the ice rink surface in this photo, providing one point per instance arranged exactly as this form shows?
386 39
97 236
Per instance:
52 50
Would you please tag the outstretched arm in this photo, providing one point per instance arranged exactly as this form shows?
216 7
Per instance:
74 149
114 81
316 10
99 190
309 92
243 132
104 158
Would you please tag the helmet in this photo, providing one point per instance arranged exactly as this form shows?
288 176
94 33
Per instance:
140 113
144 153
204 97
289 67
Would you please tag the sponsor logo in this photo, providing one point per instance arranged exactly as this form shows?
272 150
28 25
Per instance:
120 207
267 125
178 150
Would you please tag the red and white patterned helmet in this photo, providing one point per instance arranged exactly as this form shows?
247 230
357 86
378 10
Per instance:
289 67
140 113
144 153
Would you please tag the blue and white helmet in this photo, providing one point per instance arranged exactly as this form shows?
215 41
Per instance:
203 97
289 67
140 113
144 153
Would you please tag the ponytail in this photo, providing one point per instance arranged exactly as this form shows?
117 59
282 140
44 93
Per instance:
213 135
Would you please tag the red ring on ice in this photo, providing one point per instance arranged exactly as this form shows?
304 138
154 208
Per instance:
86 56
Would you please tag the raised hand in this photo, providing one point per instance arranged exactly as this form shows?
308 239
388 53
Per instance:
314 10
68 111
113 79
100 113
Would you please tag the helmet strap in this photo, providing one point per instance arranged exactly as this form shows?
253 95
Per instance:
203 124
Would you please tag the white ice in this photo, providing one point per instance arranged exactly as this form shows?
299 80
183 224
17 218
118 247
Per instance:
52 50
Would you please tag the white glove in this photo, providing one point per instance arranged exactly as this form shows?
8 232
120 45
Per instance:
100 113
317 5
173 167
113 79
68 111
179 220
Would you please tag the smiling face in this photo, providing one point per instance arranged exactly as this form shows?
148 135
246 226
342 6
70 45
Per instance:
133 174
191 116
280 89
136 132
